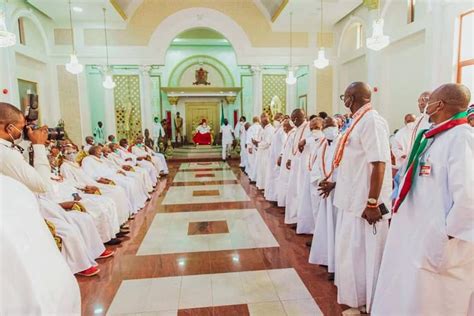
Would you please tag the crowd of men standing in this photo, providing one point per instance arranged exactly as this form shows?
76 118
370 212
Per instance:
336 178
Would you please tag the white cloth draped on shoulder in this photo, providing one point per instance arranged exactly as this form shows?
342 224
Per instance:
35 278
423 271
263 154
283 177
253 133
273 170
306 209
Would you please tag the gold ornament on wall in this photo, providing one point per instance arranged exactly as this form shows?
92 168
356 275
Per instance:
127 106
274 85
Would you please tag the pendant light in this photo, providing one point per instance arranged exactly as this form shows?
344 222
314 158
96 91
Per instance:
7 38
378 40
108 80
291 79
73 66
321 62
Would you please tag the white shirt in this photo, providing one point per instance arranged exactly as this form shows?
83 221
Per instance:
238 129
13 164
367 143
267 136
158 130
227 137
252 133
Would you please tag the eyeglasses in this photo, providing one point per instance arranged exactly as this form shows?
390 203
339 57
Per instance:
342 97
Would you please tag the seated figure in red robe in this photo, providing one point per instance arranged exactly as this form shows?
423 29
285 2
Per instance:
203 134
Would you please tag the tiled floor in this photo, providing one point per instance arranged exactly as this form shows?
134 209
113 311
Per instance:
169 233
184 194
267 292
209 246
208 175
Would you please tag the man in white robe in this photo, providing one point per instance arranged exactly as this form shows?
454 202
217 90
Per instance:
305 215
115 161
299 151
89 143
239 133
263 150
364 185
140 150
323 179
35 278
273 170
71 170
244 156
99 170
428 262
253 135
157 132
138 161
402 140
284 174
227 139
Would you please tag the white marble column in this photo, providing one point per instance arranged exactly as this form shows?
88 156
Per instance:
257 90
84 107
312 104
146 98
291 97
109 124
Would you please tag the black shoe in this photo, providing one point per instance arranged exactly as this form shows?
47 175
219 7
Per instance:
113 242
308 244
330 276
121 234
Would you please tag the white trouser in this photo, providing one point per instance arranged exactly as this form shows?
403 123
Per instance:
225 151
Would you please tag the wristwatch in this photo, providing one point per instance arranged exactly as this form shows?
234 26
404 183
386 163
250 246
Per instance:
371 201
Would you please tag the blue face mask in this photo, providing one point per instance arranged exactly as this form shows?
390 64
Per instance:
140 145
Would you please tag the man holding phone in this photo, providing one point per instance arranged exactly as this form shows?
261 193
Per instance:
362 194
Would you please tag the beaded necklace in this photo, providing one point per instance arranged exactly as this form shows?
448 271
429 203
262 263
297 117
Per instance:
293 149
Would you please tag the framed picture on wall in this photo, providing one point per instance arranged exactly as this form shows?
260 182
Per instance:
303 102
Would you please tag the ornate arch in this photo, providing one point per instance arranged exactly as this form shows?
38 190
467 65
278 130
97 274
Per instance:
178 71
25 13
353 20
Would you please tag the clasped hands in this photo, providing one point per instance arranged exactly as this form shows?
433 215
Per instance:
325 188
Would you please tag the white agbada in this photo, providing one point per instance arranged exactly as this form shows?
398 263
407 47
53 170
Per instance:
97 169
306 209
253 133
73 172
424 272
263 155
35 278
297 172
140 150
102 209
81 241
243 149
137 172
145 164
273 170
227 140
323 245
283 177
358 250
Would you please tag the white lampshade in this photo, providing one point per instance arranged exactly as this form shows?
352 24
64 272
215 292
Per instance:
291 79
322 61
73 66
377 41
108 82
7 39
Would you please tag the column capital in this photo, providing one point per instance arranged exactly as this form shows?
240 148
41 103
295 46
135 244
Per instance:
256 69
145 69
173 100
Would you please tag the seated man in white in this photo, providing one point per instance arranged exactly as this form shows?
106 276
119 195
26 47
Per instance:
36 268
98 169
128 156
144 153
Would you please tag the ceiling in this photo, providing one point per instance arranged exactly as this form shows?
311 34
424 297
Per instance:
58 10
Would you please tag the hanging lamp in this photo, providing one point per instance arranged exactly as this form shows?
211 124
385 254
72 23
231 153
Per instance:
7 38
291 79
378 40
73 66
321 62
108 82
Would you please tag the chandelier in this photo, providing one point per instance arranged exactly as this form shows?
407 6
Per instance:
73 66
378 40
108 82
321 62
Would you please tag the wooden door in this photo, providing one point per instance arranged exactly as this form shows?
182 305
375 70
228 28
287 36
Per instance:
196 111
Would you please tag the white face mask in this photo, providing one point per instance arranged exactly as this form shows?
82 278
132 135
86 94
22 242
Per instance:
18 140
331 132
276 124
316 133
71 156
411 125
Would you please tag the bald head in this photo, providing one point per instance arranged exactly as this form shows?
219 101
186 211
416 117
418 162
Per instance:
409 118
278 117
330 122
9 114
89 140
298 117
256 119
287 125
316 123
357 95
448 100
95 151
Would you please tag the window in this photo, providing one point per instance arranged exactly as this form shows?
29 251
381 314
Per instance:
411 11
358 35
21 31
465 62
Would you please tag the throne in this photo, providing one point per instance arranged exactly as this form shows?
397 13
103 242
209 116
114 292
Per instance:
195 125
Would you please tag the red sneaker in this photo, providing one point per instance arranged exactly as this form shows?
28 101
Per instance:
106 254
89 272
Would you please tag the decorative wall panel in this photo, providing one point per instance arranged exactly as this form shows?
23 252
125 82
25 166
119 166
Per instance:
274 88
127 106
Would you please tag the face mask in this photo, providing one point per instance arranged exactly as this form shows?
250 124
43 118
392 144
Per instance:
316 133
430 115
116 151
71 156
411 125
331 132
276 124
16 141
140 145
